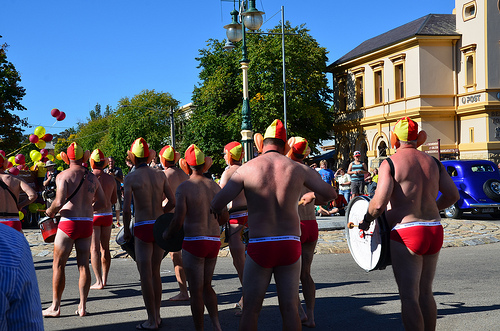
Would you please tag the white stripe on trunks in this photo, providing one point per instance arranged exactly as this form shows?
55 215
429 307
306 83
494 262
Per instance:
407 225
277 238
201 238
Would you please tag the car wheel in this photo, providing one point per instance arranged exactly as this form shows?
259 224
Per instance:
492 189
453 212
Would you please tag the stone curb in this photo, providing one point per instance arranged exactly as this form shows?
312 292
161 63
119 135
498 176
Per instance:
456 233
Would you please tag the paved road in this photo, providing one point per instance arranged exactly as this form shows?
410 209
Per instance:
466 289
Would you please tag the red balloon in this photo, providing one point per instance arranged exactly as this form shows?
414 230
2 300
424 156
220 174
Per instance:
44 152
9 165
55 112
61 116
44 159
20 159
48 137
2 152
20 167
14 171
34 138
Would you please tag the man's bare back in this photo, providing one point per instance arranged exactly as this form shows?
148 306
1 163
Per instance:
16 186
240 200
175 177
108 185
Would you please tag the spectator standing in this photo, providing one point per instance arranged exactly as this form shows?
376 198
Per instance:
49 183
357 171
117 173
327 175
344 181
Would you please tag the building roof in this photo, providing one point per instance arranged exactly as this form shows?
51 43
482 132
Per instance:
429 25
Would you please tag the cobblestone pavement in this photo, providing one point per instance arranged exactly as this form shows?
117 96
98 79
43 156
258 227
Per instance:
456 233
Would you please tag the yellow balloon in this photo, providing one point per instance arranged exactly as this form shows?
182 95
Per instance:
50 157
32 168
35 155
33 207
12 160
40 131
40 144
21 215
58 156
60 168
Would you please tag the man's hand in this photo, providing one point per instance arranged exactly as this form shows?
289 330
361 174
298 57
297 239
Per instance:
307 198
364 224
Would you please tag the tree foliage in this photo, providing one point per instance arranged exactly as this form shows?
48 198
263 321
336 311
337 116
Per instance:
218 98
11 94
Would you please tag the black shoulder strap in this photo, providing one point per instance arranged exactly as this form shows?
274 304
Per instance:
78 188
438 163
5 187
391 165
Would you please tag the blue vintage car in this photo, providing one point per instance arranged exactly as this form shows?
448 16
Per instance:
478 182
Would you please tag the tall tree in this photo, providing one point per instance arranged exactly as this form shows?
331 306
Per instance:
217 118
11 94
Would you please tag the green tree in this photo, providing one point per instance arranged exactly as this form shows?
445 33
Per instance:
217 118
11 94
146 115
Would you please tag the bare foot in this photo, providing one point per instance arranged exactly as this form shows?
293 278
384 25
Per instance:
309 324
180 297
81 312
51 312
97 286
146 326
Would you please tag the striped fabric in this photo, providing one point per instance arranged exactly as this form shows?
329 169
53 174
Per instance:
20 305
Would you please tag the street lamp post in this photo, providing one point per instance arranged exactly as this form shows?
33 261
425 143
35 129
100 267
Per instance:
252 19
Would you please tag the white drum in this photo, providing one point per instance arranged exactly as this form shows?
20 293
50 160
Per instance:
370 249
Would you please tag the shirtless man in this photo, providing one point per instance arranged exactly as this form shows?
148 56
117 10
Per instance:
308 239
238 212
149 187
411 188
168 158
272 184
10 190
201 234
100 255
78 195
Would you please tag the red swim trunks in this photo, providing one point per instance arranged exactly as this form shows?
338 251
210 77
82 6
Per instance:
76 227
309 231
270 252
422 238
202 246
103 219
239 217
14 223
144 231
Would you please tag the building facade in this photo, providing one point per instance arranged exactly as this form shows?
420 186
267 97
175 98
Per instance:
441 70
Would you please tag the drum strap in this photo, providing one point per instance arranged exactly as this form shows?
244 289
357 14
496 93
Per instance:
78 188
5 187
391 165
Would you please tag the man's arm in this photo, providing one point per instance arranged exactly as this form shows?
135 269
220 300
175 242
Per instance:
448 189
323 192
381 198
230 191
127 213
169 196
30 192
179 214
349 169
60 200
119 175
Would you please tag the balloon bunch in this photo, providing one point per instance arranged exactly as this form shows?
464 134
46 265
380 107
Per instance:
15 163
59 115
40 138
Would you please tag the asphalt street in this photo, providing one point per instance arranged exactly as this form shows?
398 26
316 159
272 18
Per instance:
466 288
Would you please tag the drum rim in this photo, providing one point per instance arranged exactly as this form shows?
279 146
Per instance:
384 259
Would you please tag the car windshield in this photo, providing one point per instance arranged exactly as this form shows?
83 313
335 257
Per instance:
482 168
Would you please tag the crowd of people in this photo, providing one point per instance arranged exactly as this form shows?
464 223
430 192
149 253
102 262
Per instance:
273 198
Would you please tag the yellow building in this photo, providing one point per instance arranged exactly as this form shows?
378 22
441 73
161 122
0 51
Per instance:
441 70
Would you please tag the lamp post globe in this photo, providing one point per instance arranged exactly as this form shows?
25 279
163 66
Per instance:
233 31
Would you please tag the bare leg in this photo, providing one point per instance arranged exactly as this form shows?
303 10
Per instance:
105 253
308 286
209 296
62 248
82 247
237 249
144 258
180 275
255 282
287 285
426 299
407 268
95 258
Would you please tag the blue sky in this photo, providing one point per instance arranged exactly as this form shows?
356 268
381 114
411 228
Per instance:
73 54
